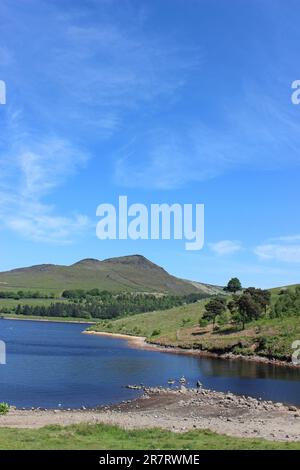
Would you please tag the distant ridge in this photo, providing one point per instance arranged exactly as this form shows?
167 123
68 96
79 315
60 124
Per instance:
134 260
87 262
133 273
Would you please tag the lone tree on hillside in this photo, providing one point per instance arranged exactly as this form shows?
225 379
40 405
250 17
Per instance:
233 285
214 308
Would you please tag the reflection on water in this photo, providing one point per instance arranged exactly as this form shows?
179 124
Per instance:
248 369
53 363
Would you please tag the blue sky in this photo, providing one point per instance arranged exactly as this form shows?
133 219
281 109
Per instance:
162 101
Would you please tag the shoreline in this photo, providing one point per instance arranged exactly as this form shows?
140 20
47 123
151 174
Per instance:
136 341
177 410
140 342
49 320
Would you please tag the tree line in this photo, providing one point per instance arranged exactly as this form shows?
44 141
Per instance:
106 305
25 294
249 305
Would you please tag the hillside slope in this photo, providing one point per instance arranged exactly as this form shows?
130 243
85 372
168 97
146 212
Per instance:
128 273
179 327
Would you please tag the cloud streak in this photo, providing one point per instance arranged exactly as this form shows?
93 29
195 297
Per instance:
281 249
277 252
225 247
249 137
95 71
33 169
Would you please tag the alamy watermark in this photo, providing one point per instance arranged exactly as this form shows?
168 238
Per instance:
2 92
2 101
2 352
158 222
296 353
295 97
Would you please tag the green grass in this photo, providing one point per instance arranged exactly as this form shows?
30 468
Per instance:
166 321
106 437
132 273
276 291
179 327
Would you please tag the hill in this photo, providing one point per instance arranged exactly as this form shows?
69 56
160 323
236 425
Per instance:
179 327
127 273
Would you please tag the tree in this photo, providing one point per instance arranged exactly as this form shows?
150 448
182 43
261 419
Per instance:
250 305
233 285
248 308
232 304
213 308
260 296
287 303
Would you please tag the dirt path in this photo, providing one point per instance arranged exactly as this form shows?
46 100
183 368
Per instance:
179 411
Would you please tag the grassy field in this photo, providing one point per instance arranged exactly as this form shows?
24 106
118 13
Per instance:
276 290
105 437
166 322
180 327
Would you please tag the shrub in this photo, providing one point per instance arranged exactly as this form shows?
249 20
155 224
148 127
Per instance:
155 333
224 318
4 408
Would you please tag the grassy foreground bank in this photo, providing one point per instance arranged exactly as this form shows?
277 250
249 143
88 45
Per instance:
100 436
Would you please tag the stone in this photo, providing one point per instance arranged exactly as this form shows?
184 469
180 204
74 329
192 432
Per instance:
292 408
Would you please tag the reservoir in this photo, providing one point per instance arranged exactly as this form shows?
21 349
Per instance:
53 365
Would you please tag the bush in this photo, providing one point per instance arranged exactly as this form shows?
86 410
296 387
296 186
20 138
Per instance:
203 323
224 318
155 332
4 408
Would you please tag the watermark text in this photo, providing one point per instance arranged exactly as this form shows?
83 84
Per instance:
158 222
2 352
2 92
296 93
296 353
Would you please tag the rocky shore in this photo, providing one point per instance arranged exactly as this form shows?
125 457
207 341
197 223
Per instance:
178 410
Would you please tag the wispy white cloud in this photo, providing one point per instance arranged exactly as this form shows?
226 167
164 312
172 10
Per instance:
290 254
32 170
120 67
249 136
97 68
287 238
286 249
225 247
41 227
89 76
45 164
167 159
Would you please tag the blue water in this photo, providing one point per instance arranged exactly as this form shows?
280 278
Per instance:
53 363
